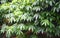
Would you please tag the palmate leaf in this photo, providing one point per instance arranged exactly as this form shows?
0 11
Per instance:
3 29
21 26
19 33
45 22
18 12
36 16
29 18
10 17
24 16
36 8
10 30
38 30
31 28
8 33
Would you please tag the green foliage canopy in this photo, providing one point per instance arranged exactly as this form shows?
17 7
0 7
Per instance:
17 16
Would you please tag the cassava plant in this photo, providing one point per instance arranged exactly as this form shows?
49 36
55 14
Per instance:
28 18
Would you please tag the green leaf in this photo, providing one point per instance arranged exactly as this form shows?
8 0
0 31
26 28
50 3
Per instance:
45 22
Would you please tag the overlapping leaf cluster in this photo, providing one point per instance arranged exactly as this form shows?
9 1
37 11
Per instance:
18 16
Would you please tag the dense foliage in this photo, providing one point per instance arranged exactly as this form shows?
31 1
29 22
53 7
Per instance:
27 18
